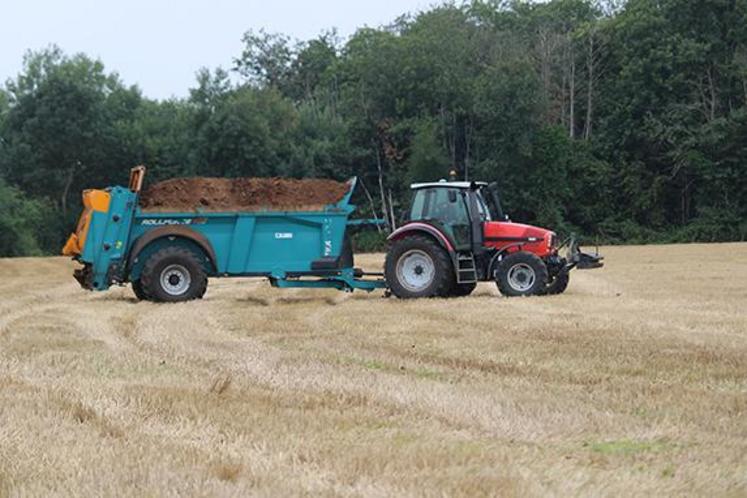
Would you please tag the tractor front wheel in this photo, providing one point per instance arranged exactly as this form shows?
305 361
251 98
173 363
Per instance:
417 266
521 274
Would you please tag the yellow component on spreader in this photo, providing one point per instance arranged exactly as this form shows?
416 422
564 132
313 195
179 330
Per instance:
93 200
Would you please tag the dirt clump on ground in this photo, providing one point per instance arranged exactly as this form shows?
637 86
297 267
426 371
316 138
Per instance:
241 194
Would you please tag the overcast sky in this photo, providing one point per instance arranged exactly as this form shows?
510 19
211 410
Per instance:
159 44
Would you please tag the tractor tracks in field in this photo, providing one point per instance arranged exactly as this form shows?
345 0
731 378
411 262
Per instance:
191 337
199 342
25 304
17 315
250 360
200 339
68 404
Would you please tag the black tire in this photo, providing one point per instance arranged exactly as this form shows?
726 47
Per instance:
442 279
137 288
181 263
559 284
521 274
461 290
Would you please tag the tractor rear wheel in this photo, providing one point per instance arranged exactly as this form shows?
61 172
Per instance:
521 274
417 266
559 284
173 274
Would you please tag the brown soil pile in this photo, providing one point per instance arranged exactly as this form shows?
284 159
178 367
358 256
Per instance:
241 194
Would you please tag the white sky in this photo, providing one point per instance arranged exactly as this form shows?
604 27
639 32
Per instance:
160 44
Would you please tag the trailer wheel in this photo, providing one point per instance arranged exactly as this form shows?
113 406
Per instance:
461 290
521 274
173 274
559 284
417 266
137 288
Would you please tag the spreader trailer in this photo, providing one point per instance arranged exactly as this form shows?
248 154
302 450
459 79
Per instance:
167 256
450 243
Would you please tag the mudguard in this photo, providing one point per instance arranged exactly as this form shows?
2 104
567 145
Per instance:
419 226
172 231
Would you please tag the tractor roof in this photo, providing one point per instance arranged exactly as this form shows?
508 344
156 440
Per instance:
445 184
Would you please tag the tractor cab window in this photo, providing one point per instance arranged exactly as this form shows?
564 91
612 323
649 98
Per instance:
418 203
483 209
445 206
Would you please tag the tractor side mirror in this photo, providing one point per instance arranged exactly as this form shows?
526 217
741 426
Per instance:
452 196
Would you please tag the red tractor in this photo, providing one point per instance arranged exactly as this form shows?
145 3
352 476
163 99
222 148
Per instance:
457 235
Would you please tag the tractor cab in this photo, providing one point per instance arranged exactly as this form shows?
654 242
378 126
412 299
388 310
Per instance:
457 234
446 205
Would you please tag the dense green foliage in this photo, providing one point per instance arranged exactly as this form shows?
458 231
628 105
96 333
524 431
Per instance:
19 220
625 123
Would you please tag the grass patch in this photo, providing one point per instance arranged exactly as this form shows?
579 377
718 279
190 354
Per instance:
377 365
427 373
627 447
668 471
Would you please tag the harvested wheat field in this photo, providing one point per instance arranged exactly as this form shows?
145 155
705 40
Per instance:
633 382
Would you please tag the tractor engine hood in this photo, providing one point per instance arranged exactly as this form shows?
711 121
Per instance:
508 231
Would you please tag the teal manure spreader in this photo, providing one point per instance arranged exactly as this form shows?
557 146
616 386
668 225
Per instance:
168 256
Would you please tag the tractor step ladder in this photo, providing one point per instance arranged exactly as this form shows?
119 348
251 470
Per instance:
466 269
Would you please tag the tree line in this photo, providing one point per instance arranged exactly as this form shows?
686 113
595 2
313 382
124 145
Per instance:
621 122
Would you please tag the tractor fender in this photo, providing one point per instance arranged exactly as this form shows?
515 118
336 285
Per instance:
172 231
418 227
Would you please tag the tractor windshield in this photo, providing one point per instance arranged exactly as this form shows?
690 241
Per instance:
483 208
492 201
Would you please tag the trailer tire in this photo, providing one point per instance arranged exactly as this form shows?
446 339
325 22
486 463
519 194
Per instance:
417 266
173 274
521 274
558 285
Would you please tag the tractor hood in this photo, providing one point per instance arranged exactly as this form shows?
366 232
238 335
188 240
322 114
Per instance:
508 231
500 234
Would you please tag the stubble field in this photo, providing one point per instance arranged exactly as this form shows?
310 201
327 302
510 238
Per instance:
633 382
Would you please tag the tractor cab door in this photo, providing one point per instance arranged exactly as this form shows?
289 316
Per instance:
481 216
445 208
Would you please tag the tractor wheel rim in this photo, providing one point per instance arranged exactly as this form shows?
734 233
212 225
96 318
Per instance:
415 270
175 280
521 277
